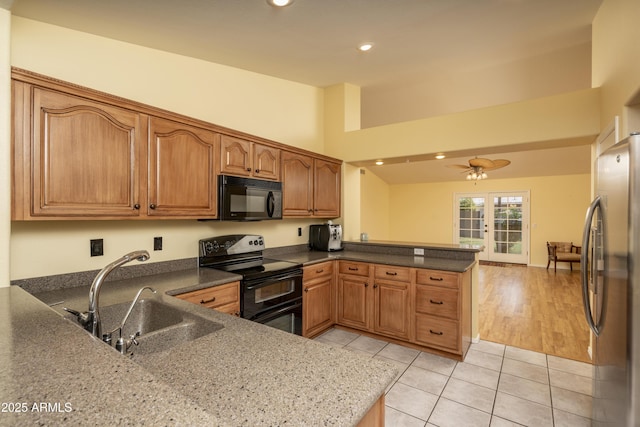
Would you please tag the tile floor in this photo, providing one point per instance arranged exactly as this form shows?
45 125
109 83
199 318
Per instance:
496 385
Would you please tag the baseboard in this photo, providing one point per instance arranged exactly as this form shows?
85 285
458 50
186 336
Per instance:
476 339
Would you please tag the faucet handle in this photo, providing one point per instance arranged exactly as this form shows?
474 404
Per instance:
82 318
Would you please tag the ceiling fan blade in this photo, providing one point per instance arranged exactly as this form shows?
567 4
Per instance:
497 164
481 163
465 167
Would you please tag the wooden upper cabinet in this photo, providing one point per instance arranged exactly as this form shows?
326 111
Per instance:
245 158
311 186
326 190
297 184
182 177
86 157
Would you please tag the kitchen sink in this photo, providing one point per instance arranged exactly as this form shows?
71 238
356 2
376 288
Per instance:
158 326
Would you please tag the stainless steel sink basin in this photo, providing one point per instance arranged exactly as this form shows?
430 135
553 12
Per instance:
160 325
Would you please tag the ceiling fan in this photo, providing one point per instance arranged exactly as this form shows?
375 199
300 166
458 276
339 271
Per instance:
478 167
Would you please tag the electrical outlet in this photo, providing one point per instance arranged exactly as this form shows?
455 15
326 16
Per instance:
418 251
97 247
299 231
157 243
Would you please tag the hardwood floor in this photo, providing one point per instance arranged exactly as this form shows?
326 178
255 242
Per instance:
533 308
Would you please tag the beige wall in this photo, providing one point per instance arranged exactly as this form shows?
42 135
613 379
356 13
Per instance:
5 146
616 60
284 111
425 213
560 71
374 207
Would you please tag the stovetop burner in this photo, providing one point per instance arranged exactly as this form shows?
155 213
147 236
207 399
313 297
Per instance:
242 254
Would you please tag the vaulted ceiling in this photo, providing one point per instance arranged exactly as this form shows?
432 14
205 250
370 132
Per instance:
314 41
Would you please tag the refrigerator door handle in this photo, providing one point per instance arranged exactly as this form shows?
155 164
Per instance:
584 265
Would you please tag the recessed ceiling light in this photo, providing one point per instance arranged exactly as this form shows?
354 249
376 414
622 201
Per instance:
440 156
279 3
379 162
364 47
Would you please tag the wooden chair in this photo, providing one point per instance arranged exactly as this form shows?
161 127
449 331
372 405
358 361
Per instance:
563 252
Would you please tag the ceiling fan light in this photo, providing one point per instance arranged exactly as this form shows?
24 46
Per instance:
484 175
469 177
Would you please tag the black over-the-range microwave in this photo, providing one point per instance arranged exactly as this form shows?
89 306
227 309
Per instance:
248 199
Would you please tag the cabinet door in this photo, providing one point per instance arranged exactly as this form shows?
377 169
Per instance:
87 157
391 308
297 184
235 156
182 179
316 312
326 193
353 301
266 162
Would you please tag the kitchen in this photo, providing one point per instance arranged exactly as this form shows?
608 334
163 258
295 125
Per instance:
29 41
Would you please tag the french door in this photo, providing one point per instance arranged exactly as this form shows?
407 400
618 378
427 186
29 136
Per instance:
498 221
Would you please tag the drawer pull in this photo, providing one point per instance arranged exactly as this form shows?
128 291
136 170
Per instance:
353 268
437 279
434 332
207 301
436 302
391 273
320 271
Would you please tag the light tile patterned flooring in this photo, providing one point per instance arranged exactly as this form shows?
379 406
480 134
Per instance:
496 385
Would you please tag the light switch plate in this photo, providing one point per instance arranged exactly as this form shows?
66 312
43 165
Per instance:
418 251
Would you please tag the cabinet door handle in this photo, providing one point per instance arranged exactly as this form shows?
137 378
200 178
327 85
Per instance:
136 206
366 285
353 268
152 206
375 286
257 170
437 279
306 289
434 332
207 301
436 302
248 169
391 273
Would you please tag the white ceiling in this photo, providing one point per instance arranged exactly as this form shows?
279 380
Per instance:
314 41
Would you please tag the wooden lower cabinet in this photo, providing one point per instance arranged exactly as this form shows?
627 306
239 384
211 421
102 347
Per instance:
392 301
375 416
430 309
354 295
224 298
443 310
317 298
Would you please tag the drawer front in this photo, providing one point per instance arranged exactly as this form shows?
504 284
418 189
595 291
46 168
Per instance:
355 268
437 301
437 332
215 296
389 272
437 277
317 270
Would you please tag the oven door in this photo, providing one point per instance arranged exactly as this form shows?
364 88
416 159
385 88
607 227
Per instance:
265 295
287 318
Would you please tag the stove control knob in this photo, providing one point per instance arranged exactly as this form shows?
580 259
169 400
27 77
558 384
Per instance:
261 242
216 246
208 248
255 242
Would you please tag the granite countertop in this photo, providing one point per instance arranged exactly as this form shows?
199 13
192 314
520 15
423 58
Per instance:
446 264
242 374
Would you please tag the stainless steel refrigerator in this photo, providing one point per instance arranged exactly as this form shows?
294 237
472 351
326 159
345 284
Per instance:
610 270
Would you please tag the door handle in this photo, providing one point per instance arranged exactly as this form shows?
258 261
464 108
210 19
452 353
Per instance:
584 266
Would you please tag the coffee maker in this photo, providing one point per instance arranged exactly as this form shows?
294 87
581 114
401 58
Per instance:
325 237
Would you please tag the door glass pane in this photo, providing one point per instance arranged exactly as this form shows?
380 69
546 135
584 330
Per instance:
507 224
471 211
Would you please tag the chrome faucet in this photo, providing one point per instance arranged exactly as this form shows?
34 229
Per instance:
92 321
122 344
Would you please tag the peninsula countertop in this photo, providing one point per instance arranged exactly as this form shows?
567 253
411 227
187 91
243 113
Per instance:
243 374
